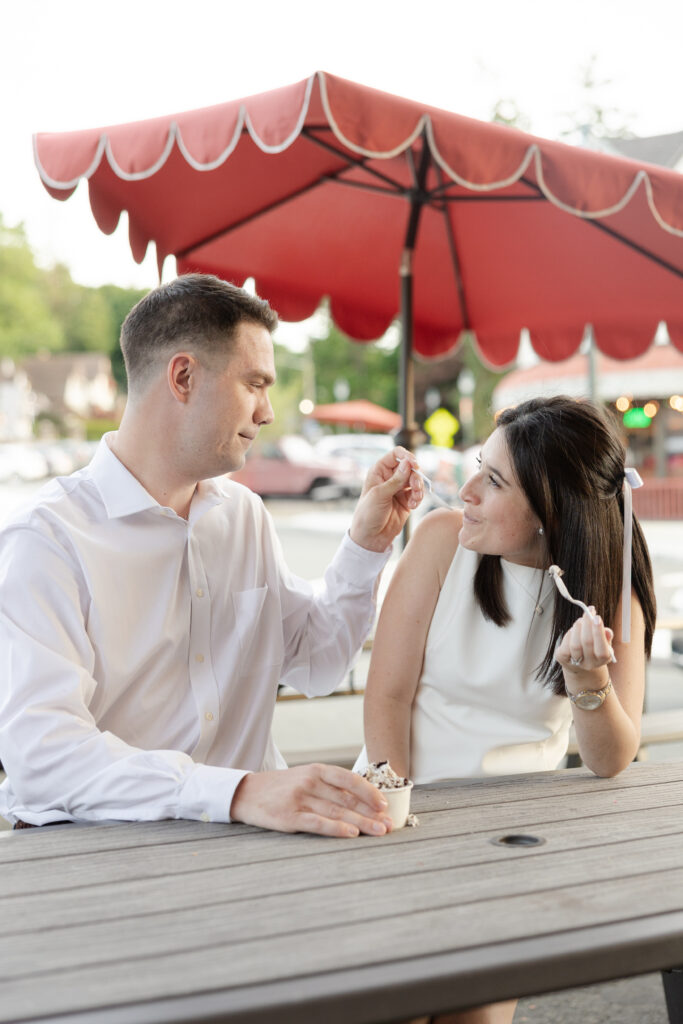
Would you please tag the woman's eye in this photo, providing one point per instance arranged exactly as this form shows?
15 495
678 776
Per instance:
478 461
494 481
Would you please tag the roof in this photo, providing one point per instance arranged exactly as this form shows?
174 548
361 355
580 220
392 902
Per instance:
656 374
664 150
48 374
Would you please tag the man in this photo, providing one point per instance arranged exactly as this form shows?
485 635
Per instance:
147 616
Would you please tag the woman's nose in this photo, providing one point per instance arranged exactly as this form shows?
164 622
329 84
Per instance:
468 491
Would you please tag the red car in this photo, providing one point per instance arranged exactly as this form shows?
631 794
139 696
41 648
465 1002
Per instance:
290 466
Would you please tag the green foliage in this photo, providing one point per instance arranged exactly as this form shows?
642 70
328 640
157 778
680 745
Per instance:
485 381
95 428
120 302
46 311
369 370
26 322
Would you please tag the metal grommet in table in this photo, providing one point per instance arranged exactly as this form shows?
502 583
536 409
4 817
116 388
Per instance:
518 839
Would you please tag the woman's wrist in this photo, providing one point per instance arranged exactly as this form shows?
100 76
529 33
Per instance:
576 681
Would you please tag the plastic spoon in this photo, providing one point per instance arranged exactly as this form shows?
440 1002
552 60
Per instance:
430 487
556 574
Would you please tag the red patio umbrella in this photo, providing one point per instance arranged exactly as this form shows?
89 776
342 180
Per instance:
360 414
327 187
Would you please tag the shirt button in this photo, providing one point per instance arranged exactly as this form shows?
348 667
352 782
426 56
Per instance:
199 657
209 716
199 592
204 816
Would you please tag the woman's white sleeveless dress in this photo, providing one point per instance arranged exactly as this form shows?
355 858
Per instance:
479 708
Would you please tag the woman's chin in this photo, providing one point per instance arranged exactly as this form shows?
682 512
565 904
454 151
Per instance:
465 539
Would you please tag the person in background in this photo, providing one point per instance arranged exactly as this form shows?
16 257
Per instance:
146 613
479 663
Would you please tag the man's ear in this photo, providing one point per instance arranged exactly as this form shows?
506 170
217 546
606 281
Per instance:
181 375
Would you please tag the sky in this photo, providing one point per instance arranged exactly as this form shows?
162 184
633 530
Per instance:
82 64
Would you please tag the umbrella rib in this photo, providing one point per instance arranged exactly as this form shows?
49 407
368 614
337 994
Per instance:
222 232
450 234
351 160
366 187
637 248
640 249
490 199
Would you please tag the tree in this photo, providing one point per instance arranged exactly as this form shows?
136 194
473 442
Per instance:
84 312
594 117
120 302
345 367
26 322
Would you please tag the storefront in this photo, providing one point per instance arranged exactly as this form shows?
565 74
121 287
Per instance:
645 394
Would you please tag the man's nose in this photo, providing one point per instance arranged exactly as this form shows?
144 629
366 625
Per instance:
264 412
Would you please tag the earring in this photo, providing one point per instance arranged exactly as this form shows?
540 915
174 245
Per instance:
541 531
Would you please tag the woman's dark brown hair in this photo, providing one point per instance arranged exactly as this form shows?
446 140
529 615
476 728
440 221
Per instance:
568 458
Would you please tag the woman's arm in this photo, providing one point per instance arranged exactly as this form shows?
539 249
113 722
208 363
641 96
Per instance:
608 737
399 644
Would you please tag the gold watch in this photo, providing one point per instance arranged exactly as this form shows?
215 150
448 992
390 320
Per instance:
591 700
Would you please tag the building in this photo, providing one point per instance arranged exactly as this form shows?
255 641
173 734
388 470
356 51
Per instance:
71 387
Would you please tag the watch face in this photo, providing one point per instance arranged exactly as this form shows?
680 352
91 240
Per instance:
589 701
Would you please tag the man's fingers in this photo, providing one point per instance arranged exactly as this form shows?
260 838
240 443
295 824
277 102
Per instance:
345 820
356 788
337 803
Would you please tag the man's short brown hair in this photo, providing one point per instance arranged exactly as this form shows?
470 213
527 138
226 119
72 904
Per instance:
196 311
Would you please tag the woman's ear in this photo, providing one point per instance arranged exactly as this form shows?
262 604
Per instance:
181 375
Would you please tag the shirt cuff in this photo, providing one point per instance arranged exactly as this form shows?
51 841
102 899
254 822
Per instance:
207 793
356 565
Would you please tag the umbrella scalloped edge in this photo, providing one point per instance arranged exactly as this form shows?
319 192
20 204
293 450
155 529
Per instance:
100 145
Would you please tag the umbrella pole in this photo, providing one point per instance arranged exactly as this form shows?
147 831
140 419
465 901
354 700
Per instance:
406 398
410 434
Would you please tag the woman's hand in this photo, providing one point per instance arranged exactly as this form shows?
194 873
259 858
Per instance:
586 647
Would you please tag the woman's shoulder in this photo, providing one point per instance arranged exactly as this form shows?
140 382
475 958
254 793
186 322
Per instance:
435 539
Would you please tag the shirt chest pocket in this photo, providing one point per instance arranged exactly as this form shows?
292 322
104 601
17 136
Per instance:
259 629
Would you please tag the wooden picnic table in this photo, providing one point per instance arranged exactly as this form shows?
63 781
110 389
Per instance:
185 921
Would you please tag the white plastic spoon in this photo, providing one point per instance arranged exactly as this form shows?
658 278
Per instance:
556 574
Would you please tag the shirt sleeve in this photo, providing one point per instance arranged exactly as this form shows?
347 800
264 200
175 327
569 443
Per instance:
60 766
324 626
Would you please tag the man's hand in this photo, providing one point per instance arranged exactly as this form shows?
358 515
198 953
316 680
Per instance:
320 798
391 491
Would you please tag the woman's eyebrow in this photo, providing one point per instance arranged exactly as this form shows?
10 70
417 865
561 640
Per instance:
492 469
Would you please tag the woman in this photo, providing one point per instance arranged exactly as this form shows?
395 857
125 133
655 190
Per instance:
476 651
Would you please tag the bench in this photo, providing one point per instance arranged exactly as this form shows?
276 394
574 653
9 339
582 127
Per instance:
656 727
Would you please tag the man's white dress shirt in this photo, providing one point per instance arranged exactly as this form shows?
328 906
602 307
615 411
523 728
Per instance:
141 652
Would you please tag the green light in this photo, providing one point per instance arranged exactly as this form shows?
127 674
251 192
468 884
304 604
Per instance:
636 418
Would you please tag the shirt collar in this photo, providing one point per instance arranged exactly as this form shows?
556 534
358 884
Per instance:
123 495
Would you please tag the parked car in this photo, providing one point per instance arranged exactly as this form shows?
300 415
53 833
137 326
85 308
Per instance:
291 466
443 466
22 461
59 460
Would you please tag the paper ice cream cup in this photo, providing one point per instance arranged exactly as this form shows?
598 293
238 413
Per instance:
399 804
